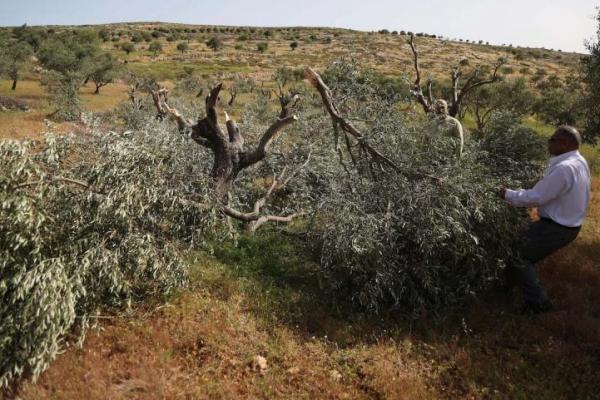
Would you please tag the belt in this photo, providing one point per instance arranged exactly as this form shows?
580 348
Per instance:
572 228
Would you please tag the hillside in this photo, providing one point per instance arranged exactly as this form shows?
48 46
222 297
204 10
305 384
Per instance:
256 320
385 53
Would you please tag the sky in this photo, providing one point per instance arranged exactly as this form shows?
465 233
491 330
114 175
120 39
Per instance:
554 24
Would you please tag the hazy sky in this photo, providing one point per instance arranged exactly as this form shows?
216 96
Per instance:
559 24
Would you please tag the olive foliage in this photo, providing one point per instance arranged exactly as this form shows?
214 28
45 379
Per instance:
88 222
100 219
431 234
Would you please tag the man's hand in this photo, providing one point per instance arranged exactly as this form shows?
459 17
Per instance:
501 192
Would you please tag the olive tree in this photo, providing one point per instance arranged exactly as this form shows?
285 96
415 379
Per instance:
14 55
155 47
103 69
183 47
463 81
591 76
66 57
214 43
510 95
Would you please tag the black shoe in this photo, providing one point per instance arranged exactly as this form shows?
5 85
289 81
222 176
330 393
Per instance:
536 308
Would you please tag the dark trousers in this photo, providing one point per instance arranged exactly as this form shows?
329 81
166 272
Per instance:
538 241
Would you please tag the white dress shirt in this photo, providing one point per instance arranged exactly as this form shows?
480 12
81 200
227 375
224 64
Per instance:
563 194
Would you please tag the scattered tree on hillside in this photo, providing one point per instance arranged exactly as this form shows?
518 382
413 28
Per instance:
155 47
32 36
513 96
475 78
137 37
591 76
559 103
103 70
183 47
104 34
127 47
66 57
214 43
13 57
294 45
262 47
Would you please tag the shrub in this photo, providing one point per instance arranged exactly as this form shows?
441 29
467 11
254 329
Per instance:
137 37
64 95
104 34
262 47
214 43
127 47
183 47
155 47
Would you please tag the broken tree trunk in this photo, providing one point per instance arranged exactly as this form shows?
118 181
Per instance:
230 156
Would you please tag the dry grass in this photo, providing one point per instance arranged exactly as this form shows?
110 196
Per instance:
30 124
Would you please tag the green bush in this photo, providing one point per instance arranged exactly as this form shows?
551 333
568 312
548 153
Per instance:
262 47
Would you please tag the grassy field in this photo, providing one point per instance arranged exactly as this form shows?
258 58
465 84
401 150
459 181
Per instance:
261 297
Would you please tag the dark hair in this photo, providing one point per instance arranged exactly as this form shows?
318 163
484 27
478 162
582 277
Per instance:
570 133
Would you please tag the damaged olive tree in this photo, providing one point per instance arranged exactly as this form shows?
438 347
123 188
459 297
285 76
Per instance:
90 222
231 156
407 226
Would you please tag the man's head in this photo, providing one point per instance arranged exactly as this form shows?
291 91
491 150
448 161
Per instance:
564 139
440 107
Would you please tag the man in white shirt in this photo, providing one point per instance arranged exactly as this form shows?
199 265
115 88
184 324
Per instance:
562 199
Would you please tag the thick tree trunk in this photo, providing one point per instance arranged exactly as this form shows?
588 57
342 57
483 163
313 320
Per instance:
225 170
454 110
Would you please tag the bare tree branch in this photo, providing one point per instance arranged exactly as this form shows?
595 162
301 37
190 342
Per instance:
211 114
472 82
430 90
416 90
235 136
160 102
254 219
265 142
60 179
254 225
350 129
232 96
346 126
